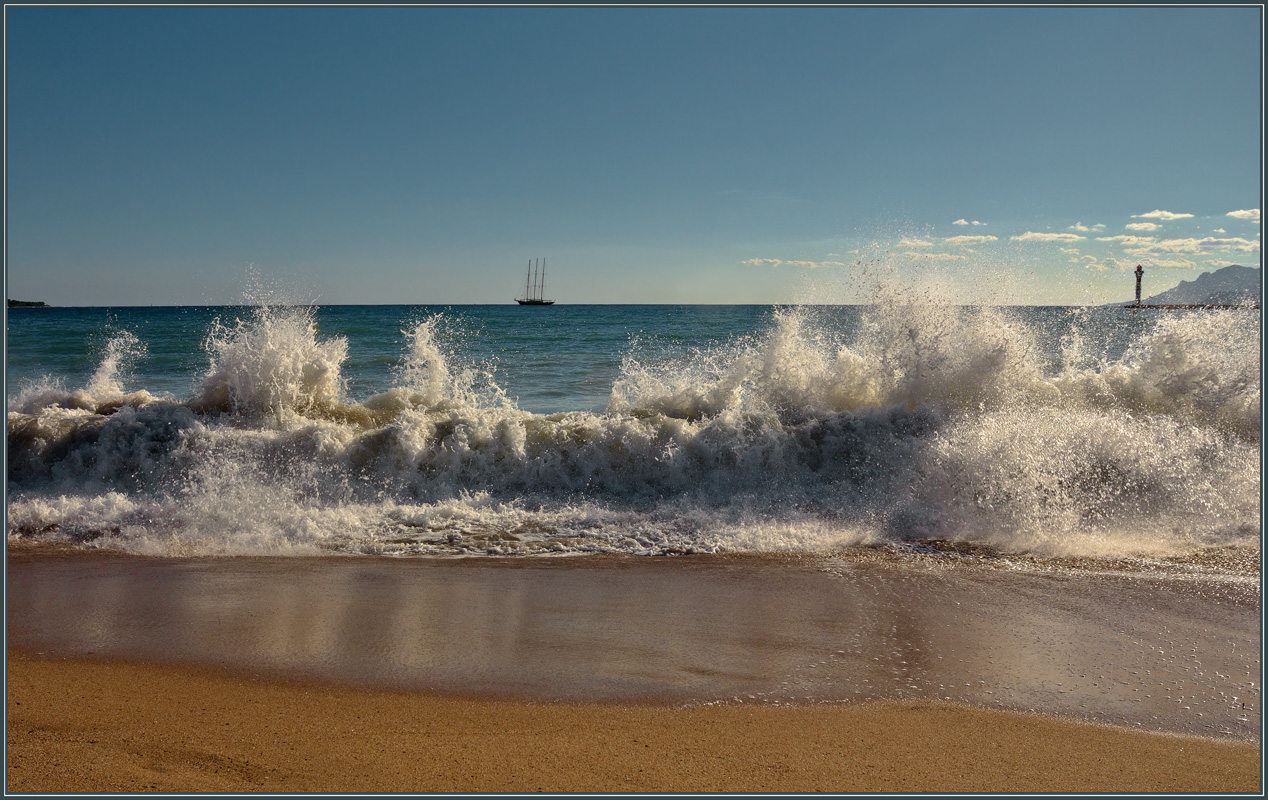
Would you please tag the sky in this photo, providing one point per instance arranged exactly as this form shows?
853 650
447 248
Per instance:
179 156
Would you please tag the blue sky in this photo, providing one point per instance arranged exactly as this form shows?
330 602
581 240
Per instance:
678 155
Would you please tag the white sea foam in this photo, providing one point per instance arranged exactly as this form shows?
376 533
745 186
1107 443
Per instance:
1202 367
272 362
925 421
104 388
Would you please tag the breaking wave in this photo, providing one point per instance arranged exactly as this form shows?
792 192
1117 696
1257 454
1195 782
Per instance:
921 422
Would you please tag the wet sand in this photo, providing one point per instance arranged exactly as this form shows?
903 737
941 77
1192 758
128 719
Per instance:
707 674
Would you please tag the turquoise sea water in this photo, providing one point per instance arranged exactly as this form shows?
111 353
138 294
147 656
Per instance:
553 358
1046 432
550 358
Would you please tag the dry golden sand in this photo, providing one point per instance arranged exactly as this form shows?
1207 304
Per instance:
89 726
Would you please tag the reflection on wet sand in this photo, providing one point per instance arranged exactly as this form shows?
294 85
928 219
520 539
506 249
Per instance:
1151 653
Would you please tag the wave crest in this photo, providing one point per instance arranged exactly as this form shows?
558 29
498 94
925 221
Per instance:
911 420
271 362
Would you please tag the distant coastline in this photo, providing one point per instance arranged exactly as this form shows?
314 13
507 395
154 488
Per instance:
1204 306
28 304
1231 287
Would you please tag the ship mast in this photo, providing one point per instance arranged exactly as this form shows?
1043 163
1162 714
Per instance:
535 283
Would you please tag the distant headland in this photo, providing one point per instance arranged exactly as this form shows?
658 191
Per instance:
28 304
1234 286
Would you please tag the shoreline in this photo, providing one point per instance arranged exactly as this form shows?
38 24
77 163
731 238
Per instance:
120 725
629 674
1154 653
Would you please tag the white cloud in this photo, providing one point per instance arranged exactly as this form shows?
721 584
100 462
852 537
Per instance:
1142 226
1210 244
963 221
968 240
1232 243
1070 250
1218 230
915 243
935 256
817 264
1175 263
1251 214
776 262
1162 215
1103 264
1031 236
1080 227
1128 241
1100 226
1124 265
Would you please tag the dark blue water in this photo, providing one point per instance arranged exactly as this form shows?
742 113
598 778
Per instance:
551 358
635 429
548 359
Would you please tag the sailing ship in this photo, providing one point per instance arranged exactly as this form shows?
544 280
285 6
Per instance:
534 283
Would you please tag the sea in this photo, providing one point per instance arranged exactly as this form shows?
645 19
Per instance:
1052 509
904 424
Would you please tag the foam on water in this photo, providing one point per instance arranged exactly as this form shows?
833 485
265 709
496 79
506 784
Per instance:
271 362
103 390
925 421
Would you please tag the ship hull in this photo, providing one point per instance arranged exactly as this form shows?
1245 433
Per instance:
535 302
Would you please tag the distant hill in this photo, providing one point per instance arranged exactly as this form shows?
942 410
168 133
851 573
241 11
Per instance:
27 304
1232 285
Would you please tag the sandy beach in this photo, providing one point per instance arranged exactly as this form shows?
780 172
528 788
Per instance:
79 725
339 674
